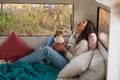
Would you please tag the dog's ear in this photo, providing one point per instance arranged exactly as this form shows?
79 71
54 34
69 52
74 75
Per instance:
56 33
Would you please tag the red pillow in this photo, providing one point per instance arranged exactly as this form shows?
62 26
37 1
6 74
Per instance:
14 48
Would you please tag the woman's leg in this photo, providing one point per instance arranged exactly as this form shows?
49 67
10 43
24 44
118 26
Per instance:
49 42
46 52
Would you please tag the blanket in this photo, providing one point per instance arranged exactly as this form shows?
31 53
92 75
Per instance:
27 71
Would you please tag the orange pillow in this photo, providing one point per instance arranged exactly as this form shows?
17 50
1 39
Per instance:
13 48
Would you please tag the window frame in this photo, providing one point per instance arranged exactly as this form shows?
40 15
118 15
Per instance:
98 16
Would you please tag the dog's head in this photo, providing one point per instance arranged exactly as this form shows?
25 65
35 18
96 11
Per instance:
58 33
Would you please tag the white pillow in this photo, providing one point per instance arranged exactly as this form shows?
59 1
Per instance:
76 66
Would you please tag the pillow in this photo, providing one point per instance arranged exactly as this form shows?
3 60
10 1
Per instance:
76 66
92 40
14 48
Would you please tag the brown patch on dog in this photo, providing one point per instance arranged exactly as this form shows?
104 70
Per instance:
58 33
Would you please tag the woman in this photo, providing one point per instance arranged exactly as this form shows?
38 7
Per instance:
78 39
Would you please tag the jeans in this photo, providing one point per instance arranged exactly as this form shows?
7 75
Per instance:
49 42
46 52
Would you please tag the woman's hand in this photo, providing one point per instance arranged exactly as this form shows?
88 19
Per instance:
60 47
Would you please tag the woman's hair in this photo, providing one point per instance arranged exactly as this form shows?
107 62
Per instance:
85 33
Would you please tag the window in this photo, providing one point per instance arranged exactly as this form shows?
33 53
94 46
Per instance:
35 19
103 26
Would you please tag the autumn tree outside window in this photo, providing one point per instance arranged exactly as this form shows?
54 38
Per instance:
35 19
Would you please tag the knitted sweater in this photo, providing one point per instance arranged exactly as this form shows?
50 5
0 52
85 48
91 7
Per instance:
76 49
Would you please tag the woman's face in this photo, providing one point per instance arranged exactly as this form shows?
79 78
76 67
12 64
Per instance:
81 26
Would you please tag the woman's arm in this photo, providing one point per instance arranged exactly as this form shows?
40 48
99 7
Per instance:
61 47
81 47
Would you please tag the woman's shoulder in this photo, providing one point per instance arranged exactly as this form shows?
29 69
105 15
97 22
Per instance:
82 46
83 41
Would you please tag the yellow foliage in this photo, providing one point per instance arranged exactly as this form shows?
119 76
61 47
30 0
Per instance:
44 19
55 16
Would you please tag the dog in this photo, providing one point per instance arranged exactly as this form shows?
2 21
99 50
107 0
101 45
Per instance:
58 38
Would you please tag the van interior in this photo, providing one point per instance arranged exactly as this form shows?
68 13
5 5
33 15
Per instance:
34 21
